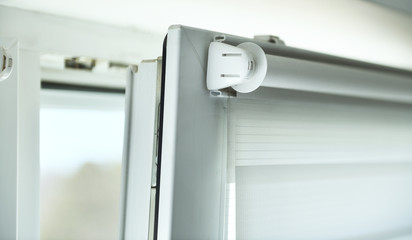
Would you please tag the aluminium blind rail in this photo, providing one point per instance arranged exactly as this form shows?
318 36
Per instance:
247 66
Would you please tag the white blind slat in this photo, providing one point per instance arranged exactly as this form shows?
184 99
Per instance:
317 166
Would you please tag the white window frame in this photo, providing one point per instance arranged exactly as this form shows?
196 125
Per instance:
19 191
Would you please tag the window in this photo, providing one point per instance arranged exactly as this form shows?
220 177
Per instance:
81 139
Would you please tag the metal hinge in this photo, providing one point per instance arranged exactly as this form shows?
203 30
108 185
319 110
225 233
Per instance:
270 39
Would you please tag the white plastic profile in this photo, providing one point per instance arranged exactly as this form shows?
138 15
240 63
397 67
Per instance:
226 70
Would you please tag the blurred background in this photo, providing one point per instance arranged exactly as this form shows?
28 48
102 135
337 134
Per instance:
82 94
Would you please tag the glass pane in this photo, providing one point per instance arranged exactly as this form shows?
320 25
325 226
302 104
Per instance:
81 137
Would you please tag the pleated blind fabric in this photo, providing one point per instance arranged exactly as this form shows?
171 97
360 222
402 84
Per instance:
317 166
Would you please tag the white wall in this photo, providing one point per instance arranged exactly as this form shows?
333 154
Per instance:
350 28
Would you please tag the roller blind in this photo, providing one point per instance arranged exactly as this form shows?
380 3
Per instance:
305 165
